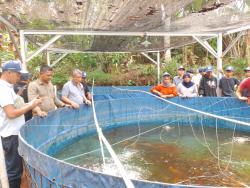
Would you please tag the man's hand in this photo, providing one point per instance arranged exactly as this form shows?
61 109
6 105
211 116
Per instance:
35 102
74 105
88 102
42 114
243 98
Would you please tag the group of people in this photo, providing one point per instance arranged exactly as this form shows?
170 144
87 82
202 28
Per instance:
204 84
21 99
20 96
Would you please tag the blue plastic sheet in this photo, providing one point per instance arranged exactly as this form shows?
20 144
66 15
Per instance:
42 137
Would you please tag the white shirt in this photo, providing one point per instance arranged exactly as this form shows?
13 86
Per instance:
196 79
73 92
187 92
8 126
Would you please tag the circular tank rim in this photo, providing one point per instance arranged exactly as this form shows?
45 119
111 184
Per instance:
24 143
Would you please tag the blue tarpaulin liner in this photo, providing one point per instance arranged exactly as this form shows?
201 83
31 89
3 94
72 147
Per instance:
43 137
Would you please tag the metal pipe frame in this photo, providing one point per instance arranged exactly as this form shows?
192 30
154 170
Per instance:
42 48
113 33
233 42
59 59
158 67
148 57
206 45
219 55
23 50
48 58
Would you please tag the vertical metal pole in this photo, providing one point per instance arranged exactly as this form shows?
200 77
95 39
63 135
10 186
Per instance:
23 50
219 54
48 58
158 67
3 172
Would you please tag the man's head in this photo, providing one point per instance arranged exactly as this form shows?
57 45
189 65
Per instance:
229 71
25 77
181 71
209 71
166 78
187 77
84 76
46 73
190 72
247 72
202 71
76 76
11 71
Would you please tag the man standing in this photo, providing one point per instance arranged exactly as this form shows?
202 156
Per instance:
228 83
12 119
179 78
85 86
43 88
208 84
73 91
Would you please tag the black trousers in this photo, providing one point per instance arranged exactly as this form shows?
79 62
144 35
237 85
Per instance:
13 160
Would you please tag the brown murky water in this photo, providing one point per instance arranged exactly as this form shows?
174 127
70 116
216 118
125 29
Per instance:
172 155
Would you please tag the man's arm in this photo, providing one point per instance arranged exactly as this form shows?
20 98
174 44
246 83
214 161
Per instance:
70 102
13 112
239 94
155 91
33 94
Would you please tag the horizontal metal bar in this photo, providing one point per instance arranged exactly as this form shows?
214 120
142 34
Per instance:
243 28
113 33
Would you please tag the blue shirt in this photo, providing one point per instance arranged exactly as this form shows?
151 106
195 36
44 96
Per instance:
74 92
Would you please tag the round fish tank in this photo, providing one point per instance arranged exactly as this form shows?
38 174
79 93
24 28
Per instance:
197 142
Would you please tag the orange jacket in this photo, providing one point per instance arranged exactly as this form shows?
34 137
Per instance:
165 90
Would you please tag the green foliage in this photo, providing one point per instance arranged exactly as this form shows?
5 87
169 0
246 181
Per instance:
59 79
172 66
100 77
5 56
41 24
34 66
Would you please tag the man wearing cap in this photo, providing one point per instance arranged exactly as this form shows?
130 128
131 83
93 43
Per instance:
73 92
85 86
166 89
179 78
247 72
228 83
187 88
208 84
21 89
42 87
12 119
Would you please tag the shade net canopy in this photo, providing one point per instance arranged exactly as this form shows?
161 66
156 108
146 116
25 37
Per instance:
152 17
